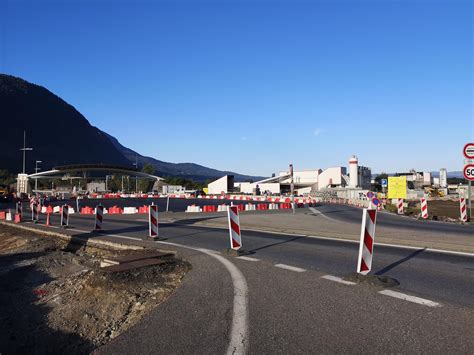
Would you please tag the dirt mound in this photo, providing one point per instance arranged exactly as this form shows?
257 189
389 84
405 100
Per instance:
53 300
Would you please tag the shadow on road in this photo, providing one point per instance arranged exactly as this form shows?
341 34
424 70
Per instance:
274 244
395 264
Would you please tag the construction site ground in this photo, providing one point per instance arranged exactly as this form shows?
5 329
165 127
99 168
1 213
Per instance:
55 298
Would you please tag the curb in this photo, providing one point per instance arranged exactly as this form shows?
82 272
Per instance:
70 238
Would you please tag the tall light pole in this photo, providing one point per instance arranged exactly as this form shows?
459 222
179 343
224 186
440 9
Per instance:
24 149
292 188
36 172
136 177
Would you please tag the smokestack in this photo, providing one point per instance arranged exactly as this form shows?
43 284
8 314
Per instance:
353 172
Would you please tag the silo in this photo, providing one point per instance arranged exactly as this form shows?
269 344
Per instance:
443 178
353 172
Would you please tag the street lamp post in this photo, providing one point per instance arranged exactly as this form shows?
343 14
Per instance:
136 177
36 172
24 149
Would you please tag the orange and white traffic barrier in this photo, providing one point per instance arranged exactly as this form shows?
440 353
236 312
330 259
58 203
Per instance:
153 221
367 238
234 228
193 208
463 209
400 205
424 208
99 217
222 208
65 216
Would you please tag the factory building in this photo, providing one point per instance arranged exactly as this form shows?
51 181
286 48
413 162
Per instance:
311 181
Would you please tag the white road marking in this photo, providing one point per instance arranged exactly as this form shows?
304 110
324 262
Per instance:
247 258
405 297
319 213
289 267
239 333
337 279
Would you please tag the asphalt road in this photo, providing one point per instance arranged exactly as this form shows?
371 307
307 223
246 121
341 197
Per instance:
352 214
292 306
440 276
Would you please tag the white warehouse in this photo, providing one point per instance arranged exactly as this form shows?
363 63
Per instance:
306 181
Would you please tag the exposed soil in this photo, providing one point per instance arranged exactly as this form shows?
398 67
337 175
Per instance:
56 299
441 210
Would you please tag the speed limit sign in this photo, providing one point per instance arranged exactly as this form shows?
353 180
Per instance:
469 172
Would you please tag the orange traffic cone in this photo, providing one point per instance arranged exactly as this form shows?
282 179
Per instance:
17 218
48 221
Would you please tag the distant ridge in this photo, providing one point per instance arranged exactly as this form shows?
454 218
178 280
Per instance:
61 135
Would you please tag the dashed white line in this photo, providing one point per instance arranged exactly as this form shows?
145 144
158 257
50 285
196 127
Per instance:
247 258
337 279
405 297
289 267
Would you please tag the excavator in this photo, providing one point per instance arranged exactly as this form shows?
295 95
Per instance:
434 192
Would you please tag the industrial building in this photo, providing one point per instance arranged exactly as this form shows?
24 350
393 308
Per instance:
311 181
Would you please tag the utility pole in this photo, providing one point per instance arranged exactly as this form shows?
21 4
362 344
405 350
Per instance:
24 149
136 177
36 172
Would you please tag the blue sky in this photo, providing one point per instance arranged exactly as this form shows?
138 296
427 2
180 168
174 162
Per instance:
251 86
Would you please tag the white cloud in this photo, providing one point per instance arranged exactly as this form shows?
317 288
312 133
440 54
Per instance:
317 131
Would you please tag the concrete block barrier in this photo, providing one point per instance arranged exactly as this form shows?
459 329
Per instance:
130 210
222 208
193 208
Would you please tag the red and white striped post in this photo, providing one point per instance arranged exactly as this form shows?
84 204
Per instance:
424 208
400 205
19 210
34 212
463 209
65 216
367 238
234 228
99 217
153 221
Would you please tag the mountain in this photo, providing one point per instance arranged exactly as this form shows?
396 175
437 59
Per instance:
61 135
187 170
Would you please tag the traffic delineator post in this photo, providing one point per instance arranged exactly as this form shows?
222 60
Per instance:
153 221
65 216
234 228
400 205
463 209
19 209
424 208
367 238
34 212
99 217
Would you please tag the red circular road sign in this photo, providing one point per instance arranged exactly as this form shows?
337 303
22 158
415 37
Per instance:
468 151
469 172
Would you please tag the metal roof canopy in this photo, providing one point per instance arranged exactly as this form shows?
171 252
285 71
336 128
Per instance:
92 167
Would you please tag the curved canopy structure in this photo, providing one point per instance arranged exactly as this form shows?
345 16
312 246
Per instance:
61 170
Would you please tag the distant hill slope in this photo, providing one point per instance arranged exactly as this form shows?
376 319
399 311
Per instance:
60 135
187 170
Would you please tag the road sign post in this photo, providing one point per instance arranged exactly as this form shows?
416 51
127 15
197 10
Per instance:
468 152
